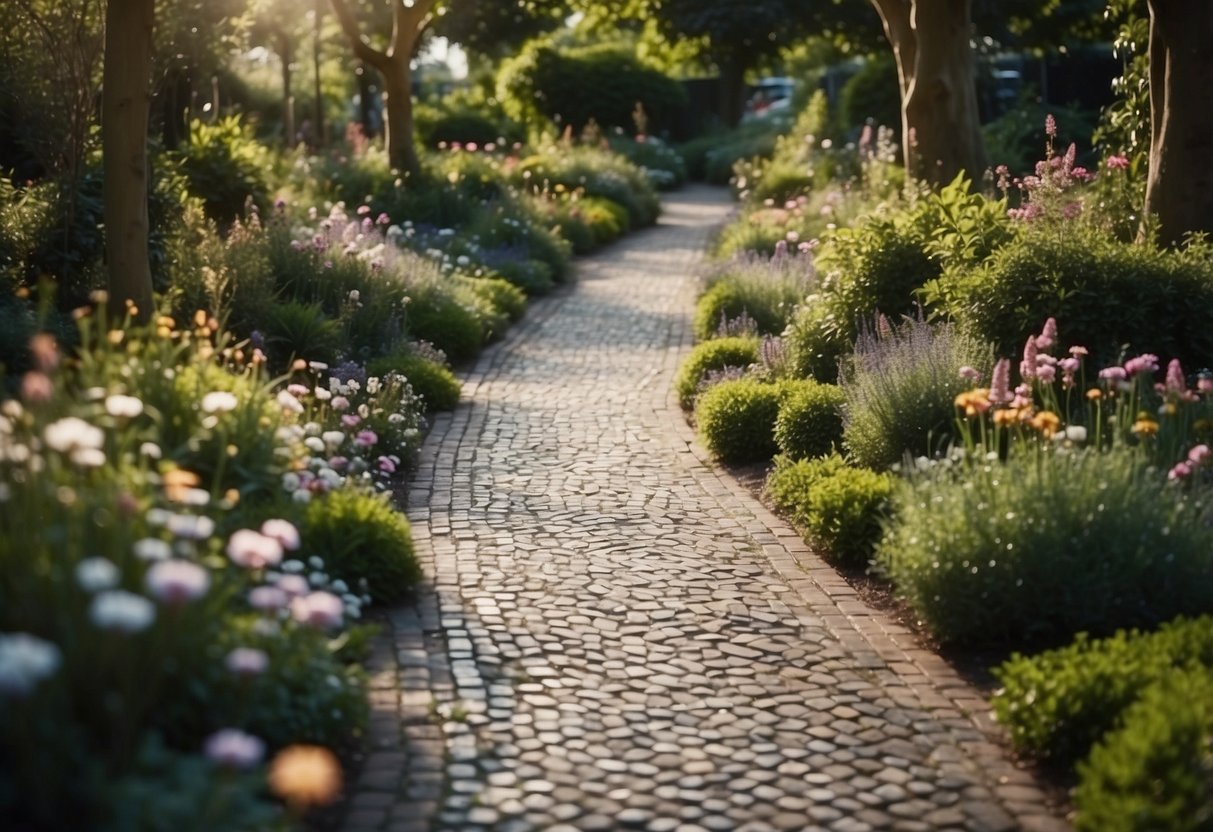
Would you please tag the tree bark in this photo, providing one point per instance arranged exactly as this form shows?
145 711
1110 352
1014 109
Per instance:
940 123
125 105
286 53
394 65
320 134
1179 188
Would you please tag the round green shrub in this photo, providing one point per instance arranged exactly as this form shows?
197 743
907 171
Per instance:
224 166
736 420
434 384
505 297
1104 295
1056 705
1047 545
461 128
840 508
436 316
810 420
361 537
712 355
764 298
1153 773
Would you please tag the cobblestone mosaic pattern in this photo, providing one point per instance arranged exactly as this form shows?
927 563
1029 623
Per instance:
615 636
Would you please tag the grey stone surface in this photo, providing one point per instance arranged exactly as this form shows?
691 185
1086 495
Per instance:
614 635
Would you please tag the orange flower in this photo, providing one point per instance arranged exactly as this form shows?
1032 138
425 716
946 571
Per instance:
305 775
178 483
1010 416
1046 422
1145 426
974 402
1094 394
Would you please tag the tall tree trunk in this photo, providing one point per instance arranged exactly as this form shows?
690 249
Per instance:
408 24
286 52
321 131
941 126
398 124
125 104
732 90
1179 190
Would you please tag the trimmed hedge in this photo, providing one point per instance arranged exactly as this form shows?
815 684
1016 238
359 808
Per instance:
712 355
809 423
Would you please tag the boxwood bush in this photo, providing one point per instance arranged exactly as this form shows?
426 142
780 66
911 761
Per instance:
712 355
1047 545
839 507
809 423
361 538
736 420
1056 705
1153 773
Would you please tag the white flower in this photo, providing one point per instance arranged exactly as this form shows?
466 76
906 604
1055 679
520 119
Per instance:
233 748
315 444
253 550
291 481
219 401
283 531
322 394
88 457
289 403
312 428
372 385
150 450
175 582
126 612
151 548
395 418
25 660
190 527
322 610
302 496
247 661
123 406
96 574
333 438
71 434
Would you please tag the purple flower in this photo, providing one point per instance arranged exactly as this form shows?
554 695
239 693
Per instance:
267 598
177 582
366 438
1113 374
233 748
293 585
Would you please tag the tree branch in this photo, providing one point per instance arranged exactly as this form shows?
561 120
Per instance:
365 52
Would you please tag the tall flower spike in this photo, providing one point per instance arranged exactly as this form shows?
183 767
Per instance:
1000 382
1176 383
1027 367
1048 336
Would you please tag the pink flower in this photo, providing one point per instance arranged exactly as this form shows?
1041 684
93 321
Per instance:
1198 454
1116 162
340 403
1113 374
350 420
247 661
1180 471
233 748
1176 383
322 610
176 582
1046 373
253 550
293 585
386 465
1077 351
1048 335
283 531
1204 384
1000 382
1050 126
1144 363
1069 366
298 390
366 438
1027 367
267 598
970 374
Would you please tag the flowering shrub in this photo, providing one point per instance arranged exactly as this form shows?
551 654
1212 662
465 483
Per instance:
765 289
152 632
1045 545
899 386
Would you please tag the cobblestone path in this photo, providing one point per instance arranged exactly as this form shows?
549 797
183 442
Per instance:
617 637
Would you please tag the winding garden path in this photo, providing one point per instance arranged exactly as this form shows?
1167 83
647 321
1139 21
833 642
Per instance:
614 635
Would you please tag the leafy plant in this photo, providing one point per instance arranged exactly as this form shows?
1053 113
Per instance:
736 420
809 423
767 290
432 382
712 355
225 166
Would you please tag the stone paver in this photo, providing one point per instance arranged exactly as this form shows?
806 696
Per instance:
616 636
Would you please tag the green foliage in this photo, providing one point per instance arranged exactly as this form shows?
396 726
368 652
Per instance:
505 298
1154 771
593 172
1058 704
362 539
839 507
1014 138
1046 545
810 420
767 290
437 317
872 95
900 387
300 330
736 420
711 158
436 385
712 355
1104 295
662 164
463 128
225 166
780 181
543 82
